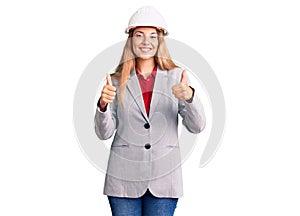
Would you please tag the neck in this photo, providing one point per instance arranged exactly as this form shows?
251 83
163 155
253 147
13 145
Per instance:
145 66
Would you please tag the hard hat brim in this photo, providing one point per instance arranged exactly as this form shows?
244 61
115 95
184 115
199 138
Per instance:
165 32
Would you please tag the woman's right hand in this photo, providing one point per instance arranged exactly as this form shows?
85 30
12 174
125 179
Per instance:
108 93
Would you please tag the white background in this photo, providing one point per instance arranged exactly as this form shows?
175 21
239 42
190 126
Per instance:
253 47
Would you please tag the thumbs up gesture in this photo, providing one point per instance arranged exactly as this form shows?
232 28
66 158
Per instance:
108 93
182 91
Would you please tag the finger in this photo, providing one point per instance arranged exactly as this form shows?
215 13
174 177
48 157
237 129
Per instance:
179 96
107 99
179 93
183 77
109 92
108 80
108 96
175 89
110 88
177 86
178 90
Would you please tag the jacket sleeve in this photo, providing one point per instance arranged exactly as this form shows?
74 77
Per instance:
106 122
193 114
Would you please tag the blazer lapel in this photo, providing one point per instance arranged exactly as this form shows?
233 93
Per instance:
158 89
134 88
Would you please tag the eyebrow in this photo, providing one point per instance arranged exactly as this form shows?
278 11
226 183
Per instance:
144 33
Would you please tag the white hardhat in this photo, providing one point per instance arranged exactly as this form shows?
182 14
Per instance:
147 16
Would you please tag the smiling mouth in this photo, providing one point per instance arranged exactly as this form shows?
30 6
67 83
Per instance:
145 49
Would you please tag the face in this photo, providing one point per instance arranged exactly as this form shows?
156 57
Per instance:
145 42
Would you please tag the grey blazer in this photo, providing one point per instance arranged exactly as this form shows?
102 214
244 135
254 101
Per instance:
145 151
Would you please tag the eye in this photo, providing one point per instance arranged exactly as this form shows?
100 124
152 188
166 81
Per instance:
153 36
139 35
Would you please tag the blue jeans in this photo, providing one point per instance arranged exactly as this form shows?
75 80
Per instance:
147 205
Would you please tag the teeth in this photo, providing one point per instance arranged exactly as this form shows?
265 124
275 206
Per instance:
145 49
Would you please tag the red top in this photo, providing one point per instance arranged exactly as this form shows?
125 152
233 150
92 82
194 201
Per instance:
147 87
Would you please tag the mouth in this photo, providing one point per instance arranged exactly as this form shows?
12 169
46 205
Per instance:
145 49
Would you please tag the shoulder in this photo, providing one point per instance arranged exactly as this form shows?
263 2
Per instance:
175 73
115 78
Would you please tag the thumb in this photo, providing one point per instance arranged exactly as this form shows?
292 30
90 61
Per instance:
183 77
108 79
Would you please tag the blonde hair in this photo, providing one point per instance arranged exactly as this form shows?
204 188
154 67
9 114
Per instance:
127 62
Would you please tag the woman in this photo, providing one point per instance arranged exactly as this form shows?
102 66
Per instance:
139 105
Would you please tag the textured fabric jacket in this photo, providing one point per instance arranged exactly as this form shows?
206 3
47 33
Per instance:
145 151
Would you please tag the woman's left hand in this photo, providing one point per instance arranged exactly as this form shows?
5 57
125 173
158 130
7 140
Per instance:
182 90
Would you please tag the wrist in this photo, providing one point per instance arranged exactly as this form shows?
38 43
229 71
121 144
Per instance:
192 90
102 106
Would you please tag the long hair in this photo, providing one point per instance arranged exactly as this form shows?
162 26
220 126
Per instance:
128 60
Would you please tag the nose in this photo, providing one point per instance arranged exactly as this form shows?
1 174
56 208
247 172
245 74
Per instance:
146 41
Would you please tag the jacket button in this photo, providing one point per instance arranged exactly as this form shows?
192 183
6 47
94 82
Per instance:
147 146
147 125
